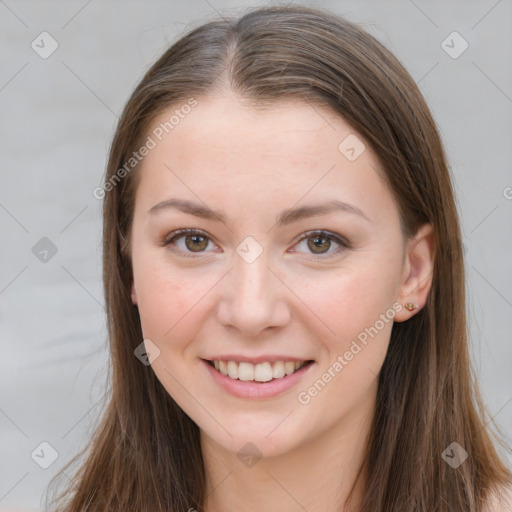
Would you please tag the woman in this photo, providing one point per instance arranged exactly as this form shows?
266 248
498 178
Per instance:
285 286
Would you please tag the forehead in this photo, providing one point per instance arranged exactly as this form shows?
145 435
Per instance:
281 153
227 126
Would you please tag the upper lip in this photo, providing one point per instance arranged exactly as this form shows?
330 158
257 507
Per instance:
255 360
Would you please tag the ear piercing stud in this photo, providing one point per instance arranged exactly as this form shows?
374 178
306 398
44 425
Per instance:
410 306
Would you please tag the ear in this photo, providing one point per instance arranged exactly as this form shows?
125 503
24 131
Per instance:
134 294
417 275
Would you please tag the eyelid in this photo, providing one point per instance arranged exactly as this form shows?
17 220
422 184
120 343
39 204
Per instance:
340 240
179 233
184 231
323 232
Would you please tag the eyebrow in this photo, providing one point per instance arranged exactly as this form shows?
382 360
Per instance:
286 217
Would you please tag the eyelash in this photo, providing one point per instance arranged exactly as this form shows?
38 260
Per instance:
344 244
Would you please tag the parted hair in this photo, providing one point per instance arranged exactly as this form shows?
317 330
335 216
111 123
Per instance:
145 454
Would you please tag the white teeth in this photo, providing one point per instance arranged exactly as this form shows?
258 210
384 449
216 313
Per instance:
233 369
289 367
278 370
262 372
245 371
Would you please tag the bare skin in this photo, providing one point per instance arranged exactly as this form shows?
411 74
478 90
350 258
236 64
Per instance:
253 164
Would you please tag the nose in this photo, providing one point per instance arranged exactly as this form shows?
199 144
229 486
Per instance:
253 298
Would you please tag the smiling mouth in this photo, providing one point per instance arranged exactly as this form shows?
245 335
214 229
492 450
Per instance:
261 372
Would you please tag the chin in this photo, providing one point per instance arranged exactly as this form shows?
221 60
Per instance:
254 442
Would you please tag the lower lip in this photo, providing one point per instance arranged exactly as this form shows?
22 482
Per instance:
252 389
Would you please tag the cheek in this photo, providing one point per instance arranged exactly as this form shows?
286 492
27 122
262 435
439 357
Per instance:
356 304
168 299
351 300
354 356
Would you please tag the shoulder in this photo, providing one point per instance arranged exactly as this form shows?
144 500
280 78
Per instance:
500 500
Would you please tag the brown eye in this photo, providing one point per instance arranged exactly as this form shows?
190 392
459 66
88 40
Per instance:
196 243
319 244
193 242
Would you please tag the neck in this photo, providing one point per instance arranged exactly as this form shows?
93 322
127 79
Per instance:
317 476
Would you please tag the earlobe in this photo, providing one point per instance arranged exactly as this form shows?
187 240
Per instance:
417 274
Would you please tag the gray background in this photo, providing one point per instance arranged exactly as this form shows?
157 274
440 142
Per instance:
58 117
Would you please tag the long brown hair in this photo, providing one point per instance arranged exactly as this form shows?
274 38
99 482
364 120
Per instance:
146 454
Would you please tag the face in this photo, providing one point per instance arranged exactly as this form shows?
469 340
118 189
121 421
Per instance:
254 283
